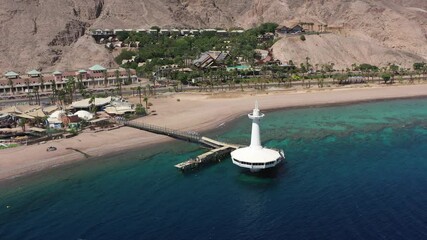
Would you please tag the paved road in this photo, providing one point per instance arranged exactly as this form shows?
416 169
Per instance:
22 99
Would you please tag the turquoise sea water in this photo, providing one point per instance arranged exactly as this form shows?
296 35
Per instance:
351 172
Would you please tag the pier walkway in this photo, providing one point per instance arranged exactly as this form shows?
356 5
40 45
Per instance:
219 150
189 136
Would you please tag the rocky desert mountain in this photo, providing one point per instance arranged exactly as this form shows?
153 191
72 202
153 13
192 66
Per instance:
49 34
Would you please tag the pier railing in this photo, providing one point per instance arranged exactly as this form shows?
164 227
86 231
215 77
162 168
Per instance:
190 136
219 150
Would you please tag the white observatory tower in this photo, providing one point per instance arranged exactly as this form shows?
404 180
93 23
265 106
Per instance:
255 157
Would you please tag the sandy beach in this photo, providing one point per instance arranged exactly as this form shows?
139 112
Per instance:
184 111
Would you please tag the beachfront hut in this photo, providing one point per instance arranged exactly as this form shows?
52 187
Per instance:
6 121
56 115
86 104
100 122
50 109
56 118
119 110
85 115
36 113
72 122
11 110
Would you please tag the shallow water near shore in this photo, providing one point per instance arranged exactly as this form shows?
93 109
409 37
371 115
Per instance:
351 172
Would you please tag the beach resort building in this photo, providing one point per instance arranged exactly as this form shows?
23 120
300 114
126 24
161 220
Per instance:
95 76
284 30
112 106
105 36
211 59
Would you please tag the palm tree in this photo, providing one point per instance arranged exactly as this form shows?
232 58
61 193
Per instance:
150 89
41 81
22 123
27 83
62 96
92 81
105 78
37 95
70 87
138 90
92 104
307 64
30 98
118 82
112 92
146 103
10 83
128 80
54 92
81 87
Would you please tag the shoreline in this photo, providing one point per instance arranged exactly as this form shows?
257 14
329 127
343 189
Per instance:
198 112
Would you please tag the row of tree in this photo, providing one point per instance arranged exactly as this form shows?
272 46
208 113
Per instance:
157 50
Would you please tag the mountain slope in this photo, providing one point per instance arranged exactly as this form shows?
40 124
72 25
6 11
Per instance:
340 50
48 33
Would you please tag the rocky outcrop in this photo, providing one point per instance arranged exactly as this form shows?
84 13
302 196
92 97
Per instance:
72 32
50 32
342 51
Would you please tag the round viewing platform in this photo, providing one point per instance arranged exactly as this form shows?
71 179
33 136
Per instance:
256 159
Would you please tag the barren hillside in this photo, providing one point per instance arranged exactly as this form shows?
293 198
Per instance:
49 33
340 50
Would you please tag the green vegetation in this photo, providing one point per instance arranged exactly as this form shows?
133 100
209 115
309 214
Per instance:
421 66
122 36
366 67
8 146
386 77
157 50
125 54
168 59
140 110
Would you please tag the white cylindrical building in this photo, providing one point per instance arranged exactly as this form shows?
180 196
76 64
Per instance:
255 136
255 157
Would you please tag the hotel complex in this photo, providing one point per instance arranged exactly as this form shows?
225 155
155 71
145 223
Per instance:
95 76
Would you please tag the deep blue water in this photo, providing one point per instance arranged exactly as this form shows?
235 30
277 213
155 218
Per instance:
351 172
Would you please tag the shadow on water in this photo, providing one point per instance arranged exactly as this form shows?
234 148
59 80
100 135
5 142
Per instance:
265 177
204 167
